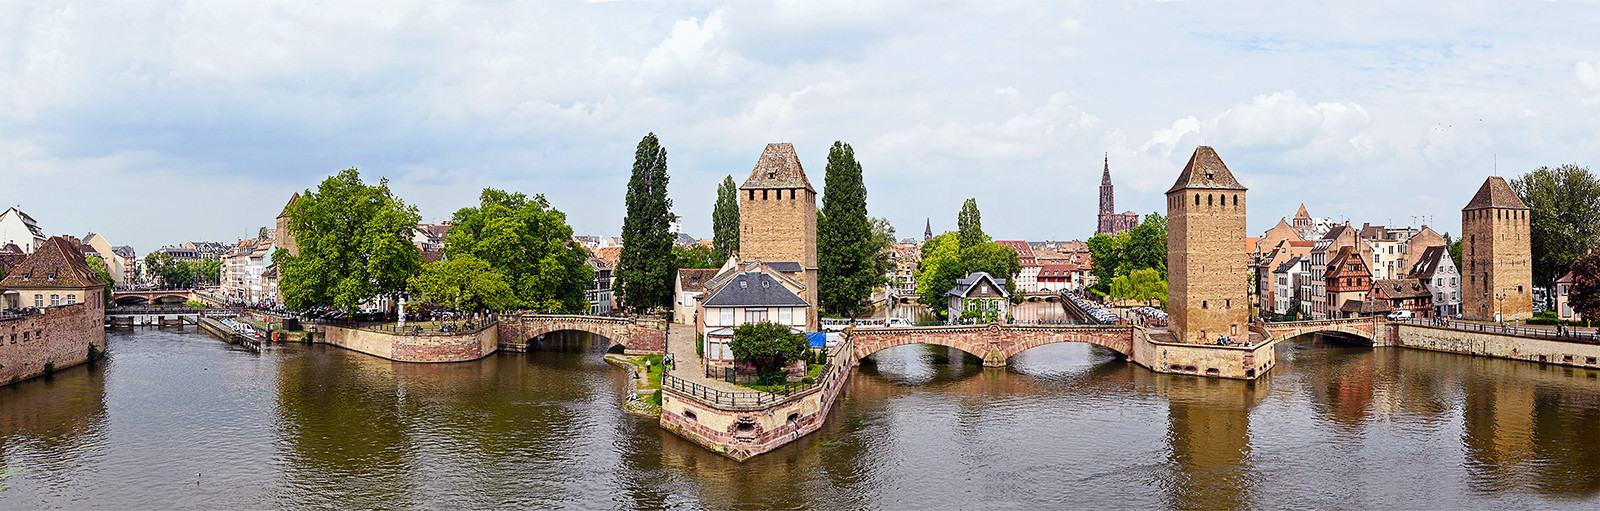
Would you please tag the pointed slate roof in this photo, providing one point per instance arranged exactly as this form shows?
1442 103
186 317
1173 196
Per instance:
778 167
1495 193
1105 178
1206 170
1428 263
56 264
1302 213
290 204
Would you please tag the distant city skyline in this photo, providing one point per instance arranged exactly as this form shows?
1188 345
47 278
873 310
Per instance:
155 124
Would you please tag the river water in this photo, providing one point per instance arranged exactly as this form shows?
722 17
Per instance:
181 420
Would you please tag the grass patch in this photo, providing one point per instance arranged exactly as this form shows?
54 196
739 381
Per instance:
812 371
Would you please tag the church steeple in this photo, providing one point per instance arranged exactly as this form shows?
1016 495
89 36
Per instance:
927 232
1107 198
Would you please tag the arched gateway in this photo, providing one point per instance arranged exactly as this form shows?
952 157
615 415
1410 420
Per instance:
994 342
637 335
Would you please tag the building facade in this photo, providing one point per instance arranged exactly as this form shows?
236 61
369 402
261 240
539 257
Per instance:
978 298
1439 274
1208 273
21 230
1497 254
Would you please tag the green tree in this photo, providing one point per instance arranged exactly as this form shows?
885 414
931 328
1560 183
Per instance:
725 221
529 244
465 283
944 261
645 269
768 346
355 244
698 256
846 269
173 272
99 266
206 271
262 234
1563 204
1105 257
969 225
882 245
1146 247
1585 295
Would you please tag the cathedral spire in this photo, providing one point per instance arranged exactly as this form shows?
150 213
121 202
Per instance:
927 232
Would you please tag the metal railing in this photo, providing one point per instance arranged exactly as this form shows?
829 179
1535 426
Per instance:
437 328
20 313
830 376
1564 334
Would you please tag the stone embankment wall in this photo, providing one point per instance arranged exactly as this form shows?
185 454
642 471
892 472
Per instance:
1202 360
57 335
413 348
1489 344
743 432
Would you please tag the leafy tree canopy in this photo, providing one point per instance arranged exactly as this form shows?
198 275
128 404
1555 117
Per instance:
698 256
528 244
725 221
99 266
847 270
646 268
1563 204
465 283
969 225
944 261
1585 296
1144 285
768 346
173 272
355 244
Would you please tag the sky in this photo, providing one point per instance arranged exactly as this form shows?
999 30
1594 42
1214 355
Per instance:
155 123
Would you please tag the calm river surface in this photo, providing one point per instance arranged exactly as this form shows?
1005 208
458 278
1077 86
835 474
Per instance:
181 420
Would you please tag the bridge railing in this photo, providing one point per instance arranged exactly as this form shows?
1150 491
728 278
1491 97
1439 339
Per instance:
1591 336
832 374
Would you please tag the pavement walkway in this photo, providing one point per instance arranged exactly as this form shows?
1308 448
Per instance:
688 364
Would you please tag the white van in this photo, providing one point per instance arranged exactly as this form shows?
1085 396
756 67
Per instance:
1401 315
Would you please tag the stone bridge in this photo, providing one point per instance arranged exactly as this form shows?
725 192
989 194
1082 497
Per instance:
153 296
1365 328
636 335
994 342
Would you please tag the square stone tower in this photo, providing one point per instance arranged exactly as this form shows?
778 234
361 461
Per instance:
1207 270
1497 272
778 218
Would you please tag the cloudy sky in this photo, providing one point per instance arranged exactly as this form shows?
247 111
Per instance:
156 123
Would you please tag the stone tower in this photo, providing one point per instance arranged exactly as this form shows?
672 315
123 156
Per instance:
778 218
1108 205
1207 271
1497 272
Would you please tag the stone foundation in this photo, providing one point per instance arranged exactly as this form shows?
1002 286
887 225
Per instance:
413 348
1499 345
743 432
60 336
1234 362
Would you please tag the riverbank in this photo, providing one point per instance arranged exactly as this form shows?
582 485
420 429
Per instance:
644 375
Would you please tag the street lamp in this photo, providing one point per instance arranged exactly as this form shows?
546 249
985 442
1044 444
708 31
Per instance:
1500 316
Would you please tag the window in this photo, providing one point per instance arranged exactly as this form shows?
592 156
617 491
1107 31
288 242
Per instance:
755 315
726 316
1227 304
752 195
1197 199
763 194
791 193
71 299
1203 304
786 316
1208 200
55 300
38 300
1235 200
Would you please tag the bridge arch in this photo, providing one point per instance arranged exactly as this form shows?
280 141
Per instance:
1366 329
993 343
131 300
634 335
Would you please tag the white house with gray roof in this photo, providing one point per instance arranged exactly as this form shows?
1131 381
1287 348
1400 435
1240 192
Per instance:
976 296
746 297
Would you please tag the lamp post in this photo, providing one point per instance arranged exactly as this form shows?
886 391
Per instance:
1500 315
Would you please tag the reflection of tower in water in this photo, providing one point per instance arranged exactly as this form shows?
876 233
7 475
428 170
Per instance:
1209 439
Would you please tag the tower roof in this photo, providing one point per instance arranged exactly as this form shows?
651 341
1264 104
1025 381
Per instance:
1302 213
289 205
1206 170
1105 177
1495 193
778 167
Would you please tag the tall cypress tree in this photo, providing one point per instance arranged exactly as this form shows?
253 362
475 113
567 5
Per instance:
969 225
725 221
845 270
646 266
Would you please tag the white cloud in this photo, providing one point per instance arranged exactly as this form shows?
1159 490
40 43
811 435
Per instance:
688 50
1588 74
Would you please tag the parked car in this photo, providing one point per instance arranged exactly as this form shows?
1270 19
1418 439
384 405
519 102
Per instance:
1401 315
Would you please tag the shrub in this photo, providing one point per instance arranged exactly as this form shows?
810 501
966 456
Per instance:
49 367
768 346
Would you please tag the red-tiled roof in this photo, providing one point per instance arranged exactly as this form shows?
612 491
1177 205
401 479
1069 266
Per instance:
56 264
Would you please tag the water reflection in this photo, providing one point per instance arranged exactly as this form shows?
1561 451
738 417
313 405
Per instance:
181 420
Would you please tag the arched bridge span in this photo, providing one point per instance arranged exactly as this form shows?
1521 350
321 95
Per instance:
994 342
1370 328
637 335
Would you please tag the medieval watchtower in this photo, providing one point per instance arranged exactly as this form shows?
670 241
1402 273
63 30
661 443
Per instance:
1207 272
1497 276
778 218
